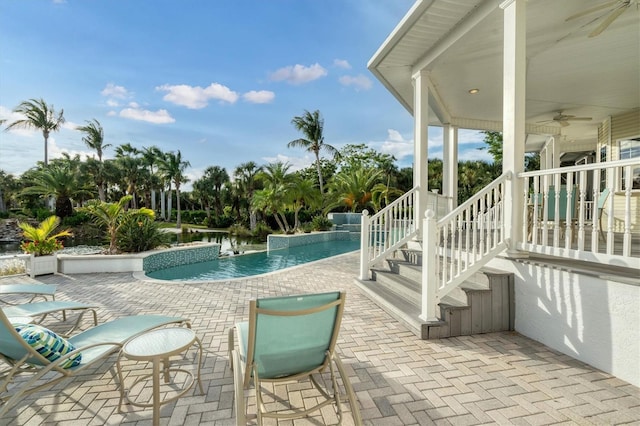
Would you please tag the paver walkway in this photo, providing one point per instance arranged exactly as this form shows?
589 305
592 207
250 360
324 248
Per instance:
497 378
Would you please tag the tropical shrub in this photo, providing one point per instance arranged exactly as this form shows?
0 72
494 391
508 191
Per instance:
261 231
321 223
41 240
139 232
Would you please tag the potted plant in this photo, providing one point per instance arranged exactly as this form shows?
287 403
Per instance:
41 243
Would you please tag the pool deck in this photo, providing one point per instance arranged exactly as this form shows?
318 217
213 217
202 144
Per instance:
496 378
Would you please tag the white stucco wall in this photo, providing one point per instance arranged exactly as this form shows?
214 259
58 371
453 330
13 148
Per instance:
595 320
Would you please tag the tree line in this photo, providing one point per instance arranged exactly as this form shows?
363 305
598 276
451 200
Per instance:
351 179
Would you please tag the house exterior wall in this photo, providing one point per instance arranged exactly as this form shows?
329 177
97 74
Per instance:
619 127
593 319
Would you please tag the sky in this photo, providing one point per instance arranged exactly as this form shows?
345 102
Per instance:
218 80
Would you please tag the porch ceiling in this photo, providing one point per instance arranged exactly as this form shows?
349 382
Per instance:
460 43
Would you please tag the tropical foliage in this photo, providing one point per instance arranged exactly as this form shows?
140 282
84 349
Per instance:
41 240
114 216
126 191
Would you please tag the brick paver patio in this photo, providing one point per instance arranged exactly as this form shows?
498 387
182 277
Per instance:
497 378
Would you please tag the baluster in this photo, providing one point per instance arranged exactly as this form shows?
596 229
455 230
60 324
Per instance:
459 256
568 213
582 200
556 213
626 242
467 236
595 214
527 216
545 210
610 209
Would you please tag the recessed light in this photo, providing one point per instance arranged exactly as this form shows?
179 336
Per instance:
474 91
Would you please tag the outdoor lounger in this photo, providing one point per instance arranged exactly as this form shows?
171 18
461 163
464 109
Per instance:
38 311
288 339
32 291
24 352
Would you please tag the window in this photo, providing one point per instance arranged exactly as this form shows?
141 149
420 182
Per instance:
630 148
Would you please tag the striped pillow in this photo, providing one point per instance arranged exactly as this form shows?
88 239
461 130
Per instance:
48 344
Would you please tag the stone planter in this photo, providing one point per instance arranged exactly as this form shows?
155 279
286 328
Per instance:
42 265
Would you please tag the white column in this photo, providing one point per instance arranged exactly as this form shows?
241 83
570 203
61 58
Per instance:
514 95
421 138
450 165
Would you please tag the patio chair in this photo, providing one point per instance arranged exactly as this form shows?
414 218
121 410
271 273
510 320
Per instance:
39 311
66 357
33 291
290 338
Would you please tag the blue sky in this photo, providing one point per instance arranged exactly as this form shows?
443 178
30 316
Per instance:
218 80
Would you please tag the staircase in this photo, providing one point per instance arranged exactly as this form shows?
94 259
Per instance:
481 304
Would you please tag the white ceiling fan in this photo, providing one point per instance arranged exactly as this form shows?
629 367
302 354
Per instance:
612 10
564 119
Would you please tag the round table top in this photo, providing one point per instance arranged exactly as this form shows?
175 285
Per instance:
161 342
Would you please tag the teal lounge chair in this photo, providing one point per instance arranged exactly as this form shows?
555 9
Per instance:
32 291
88 347
39 311
290 338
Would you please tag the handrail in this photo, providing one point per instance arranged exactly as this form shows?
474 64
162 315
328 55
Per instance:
458 245
386 231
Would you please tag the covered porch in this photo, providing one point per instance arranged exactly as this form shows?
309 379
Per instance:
556 78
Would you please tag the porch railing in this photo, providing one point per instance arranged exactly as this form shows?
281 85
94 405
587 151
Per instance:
392 227
459 244
589 212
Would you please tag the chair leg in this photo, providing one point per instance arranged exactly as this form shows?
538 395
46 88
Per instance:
238 385
351 395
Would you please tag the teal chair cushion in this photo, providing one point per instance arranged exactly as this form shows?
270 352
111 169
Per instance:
48 344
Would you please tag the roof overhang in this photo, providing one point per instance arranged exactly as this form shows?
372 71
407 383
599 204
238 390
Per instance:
460 42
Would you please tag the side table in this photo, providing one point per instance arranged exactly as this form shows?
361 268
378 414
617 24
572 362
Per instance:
157 346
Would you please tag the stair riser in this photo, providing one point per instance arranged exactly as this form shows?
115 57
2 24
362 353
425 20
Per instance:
411 295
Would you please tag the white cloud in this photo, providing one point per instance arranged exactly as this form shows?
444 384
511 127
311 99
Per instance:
196 97
299 74
161 116
360 82
396 145
475 155
342 63
296 163
259 96
11 117
112 103
466 136
112 114
70 125
113 91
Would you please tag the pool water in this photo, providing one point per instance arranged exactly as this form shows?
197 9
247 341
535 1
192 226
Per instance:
254 263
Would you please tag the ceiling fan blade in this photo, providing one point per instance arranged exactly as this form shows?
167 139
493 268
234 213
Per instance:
608 21
563 123
578 119
591 10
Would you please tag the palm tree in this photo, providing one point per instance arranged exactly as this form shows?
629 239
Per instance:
152 157
245 183
354 189
59 180
94 139
303 193
173 168
312 127
39 116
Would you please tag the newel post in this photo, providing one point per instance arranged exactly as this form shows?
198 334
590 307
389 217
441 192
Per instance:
364 245
429 303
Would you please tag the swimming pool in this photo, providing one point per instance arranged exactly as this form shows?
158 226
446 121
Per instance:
254 263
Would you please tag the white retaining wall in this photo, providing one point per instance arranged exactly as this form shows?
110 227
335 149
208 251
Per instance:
593 319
